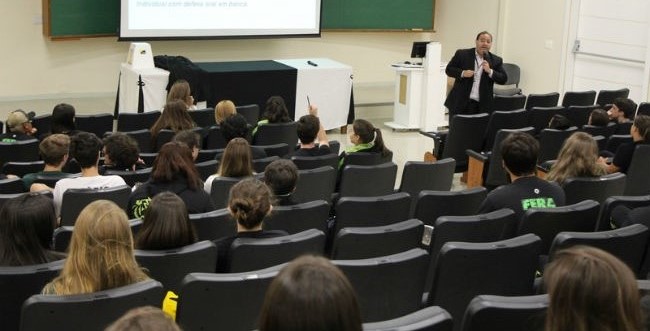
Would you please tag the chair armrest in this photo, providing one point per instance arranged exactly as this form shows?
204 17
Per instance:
435 134
475 167
479 156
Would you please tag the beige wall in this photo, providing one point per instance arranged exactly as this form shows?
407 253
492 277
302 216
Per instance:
34 67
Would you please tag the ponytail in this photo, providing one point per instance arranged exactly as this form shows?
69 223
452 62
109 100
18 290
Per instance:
379 142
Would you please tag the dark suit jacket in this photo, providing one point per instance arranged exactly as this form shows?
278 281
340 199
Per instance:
465 59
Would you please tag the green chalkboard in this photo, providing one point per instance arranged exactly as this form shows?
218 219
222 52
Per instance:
378 14
87 18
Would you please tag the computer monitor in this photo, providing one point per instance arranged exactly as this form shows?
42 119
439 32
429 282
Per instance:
419 49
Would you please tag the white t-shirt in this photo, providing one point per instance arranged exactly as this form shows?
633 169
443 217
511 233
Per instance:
207 185
95 182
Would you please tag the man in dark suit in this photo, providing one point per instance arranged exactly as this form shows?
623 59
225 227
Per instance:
475 70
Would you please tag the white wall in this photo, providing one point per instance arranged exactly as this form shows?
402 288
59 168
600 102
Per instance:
34 67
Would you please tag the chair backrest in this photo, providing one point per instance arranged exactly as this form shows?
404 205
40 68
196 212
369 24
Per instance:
612 202
93 311
458 141
367 242
419 176
207 155
548 222
366 158
250 112
579 115
542 100
207 168
97 124
551 141
62 236
315 184
132 177
540 116
19 151
248 254
298 218
515 119
368 181
214 224
11 185
604 131
276 133
509 102
644 109
214 138
607 97
203 117
74 200
134 121
260 164
221 190
50 180
17 284
280 150
496 175
616 140
42 123
628 243
170 266
581 98
164 136
465 270
311 162
148 158
493 312
433 204
425 319
372 211
21 169
514 72
227 301
593 188
143 137
374 281
638 181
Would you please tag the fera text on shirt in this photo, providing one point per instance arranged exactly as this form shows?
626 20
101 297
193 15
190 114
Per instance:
537 203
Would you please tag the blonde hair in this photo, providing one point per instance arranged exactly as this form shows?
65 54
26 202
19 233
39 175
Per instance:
223 110
577 158
101 252
591 290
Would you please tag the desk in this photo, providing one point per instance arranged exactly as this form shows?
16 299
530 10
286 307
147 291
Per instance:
154 93
329 85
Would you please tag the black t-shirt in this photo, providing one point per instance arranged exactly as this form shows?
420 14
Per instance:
523 194
10 137
623 156
314 151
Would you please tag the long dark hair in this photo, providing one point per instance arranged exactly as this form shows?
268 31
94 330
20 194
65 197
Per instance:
63 116
276 110
174 161
368 133
174 117
166 224
642 123
26 226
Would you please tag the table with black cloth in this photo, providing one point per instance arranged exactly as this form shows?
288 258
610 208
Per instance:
253 82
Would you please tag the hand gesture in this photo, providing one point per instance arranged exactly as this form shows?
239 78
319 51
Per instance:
467 73
486 67
313 110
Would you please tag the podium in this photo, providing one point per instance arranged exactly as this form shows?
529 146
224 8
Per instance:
142 87
420 94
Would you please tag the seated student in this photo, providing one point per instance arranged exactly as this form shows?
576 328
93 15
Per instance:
100 255
54 151
85 148
589 289
174 117
236 126
577 158
640 132
190 138
520 151
145 318
249 203
622 112
166 224
275 111
63 120
19 126
598 117
309 130
223 110
236 161
121 152
173 170
559 122
281 176
317 296
180 90
27 225
364 138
